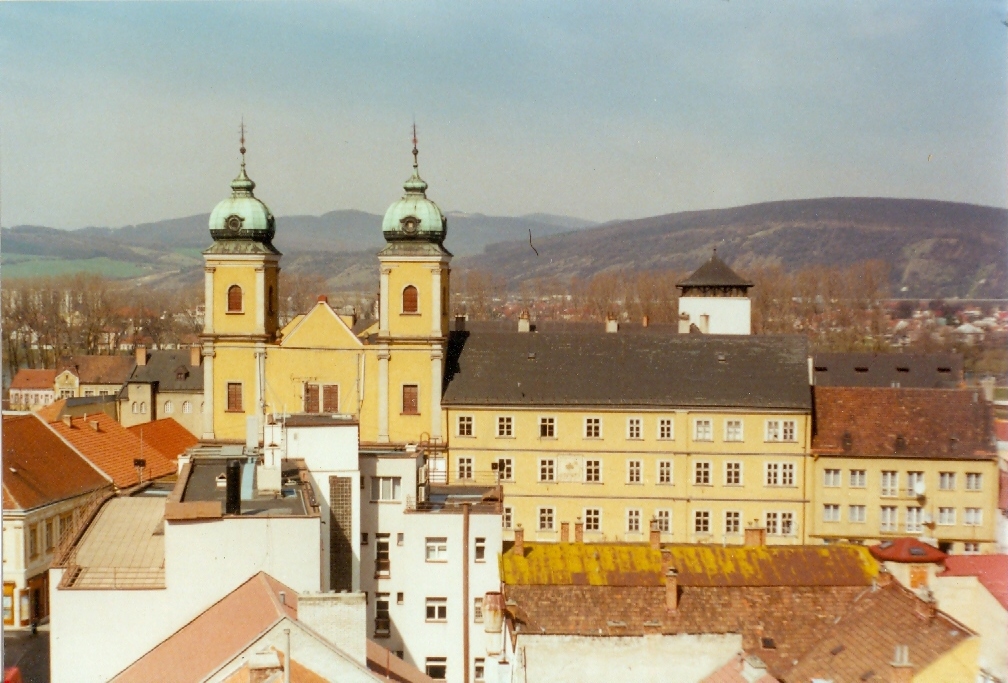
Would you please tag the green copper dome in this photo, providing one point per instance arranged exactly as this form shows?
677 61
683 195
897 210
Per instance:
414 217
242 216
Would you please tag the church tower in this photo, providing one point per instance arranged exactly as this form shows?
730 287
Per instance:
715 299
412 315
241 318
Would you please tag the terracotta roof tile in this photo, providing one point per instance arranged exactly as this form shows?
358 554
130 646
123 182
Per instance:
53 411
112 448
382 662
698 565
39 467
865 638
99 369
28 378
166 435
217 635
732 671
909 423
906 550
990 570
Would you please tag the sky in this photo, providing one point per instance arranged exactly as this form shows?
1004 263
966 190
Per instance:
123 113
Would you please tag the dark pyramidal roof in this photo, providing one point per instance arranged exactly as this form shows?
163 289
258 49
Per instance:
714 273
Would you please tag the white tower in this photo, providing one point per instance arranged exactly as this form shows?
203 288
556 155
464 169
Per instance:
715 299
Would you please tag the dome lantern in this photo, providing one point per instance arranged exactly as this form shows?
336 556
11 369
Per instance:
242 216
414 217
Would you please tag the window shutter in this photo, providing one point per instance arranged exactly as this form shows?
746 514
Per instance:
311 398
330 398
409 399
234 301
409 300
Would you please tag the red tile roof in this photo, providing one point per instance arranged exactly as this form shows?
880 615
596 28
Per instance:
732 672
40 468
389 667
902 423
906 550
865 639
99 369
112 448
217 635
166 435
990 570
28 378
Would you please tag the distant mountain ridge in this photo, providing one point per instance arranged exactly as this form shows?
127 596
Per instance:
935 248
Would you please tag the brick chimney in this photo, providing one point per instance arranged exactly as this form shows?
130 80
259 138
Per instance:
579 531
671 590
564 532
902 670
755 535
195 355
141 355
655 535
519 541
323 299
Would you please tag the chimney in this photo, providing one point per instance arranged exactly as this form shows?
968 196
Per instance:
644 321
68 421
755 535
195 355
340 618
232 500
579 531
519 541
323 299
884 578
926 606
655 535
493 622
94 425
671 590
523 321
611 324
902 669
141 355
460 321
564 532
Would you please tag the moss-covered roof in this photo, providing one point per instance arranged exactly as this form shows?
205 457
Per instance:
627 564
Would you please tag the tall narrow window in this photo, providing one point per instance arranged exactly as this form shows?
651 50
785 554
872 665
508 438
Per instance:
383 621
383 564
311 398
409 299
234 301
547 469
410 404
465 468
234 397
330 398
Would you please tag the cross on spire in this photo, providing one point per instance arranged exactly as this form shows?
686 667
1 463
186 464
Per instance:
242 148
414 147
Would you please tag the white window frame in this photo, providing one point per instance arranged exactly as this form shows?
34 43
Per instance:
946 481
436 549
971 548
890 483
549 422
546 519
669 423
633 516
593 520
394 489
588 467
704 515
735 521
857 514
505 469
771 521
914 519
547 470
592 427
705 467
912 478
703 430
858 479
507 517
635 428
946 516
664 518
731 437
888 518
973 517
468 421
635 471
464 467
659 475
772 432
440 608
737 464
831 477
974 481
505 427
831 512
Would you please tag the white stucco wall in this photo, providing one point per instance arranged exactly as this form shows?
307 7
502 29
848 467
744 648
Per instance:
643 659
727 315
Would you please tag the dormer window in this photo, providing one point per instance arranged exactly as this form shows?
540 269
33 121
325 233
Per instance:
181 373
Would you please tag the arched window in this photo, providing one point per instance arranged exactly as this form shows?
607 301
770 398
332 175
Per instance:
409 299
135 408
143 407
234 299
186 407
168 407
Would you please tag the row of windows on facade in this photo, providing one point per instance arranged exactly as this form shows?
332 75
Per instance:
774 430
778 523
43 535
435 550
915 517
832 478
774 473
140 407
30 398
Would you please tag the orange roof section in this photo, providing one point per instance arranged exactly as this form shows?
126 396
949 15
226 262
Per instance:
166 435
40 468
52 412
224 630
112 448
29 378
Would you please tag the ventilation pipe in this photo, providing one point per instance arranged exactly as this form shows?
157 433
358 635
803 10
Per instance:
232 501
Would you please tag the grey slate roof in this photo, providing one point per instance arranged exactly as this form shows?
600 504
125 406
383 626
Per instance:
907 370
714 273
163 367
620 370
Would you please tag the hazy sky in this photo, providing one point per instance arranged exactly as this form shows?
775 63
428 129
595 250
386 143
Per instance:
113 114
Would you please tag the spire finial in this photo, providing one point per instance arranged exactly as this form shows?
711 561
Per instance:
242 148
414 147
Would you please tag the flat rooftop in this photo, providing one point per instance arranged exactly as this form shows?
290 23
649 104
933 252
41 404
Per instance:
449 499
207 476
122 548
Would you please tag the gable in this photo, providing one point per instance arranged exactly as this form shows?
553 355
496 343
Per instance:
321 328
